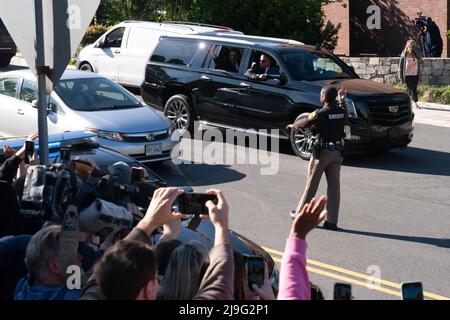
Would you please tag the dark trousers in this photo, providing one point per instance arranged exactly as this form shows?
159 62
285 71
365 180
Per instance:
411 83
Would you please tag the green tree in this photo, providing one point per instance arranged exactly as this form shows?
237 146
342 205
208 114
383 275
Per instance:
301 20
114 11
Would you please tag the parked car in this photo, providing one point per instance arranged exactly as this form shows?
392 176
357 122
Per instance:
185 81
191 230
8 48
86 101
122 53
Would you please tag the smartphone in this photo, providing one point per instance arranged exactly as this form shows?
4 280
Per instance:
64 155
137 174
342 291
412 291
255 270
195 203
29 150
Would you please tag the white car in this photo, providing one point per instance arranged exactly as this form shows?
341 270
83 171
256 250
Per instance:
121 53
87 101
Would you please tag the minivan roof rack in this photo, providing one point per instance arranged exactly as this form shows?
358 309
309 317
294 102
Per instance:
197 24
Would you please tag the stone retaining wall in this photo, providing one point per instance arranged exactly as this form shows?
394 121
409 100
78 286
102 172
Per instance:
433 71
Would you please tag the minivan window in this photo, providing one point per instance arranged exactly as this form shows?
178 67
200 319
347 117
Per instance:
28 92
8 86
95 94
175 52
114 39
305 65
141 38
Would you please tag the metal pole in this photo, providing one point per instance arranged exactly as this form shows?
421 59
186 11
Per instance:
42 95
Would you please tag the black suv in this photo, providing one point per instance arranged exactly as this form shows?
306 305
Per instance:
187 78
7 47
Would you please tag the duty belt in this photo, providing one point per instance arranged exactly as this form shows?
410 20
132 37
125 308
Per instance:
332 146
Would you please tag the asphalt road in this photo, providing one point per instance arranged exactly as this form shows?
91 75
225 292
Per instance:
395 213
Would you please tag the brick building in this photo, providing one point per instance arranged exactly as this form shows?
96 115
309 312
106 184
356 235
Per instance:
397 25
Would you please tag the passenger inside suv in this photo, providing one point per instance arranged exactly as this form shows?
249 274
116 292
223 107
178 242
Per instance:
229 59
259 67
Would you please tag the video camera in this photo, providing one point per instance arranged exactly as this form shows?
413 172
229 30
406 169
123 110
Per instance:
50 189
421 21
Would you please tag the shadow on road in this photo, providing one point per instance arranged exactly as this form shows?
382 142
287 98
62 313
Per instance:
412 160
443 243
200 174
12 67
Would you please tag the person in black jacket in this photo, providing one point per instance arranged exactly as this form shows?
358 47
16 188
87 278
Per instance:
327 158
258 71
8 170
231 63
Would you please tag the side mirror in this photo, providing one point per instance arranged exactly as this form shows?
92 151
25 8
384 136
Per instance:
100 44
52 107
34 103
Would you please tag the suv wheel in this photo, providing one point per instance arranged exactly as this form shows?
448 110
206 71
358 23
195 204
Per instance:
86 67
179 110
302 139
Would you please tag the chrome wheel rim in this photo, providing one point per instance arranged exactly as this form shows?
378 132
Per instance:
178 113
304 140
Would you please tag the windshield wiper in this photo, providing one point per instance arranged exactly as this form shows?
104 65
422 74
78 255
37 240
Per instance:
122 106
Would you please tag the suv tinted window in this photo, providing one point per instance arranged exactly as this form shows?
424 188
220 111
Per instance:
8 86
304 65
175 52
28 92
225 58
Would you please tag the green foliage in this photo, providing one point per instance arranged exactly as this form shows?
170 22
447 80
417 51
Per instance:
433 94
93 33
111 12
299 20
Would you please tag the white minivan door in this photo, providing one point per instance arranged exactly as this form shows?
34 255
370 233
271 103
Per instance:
135 53
108 54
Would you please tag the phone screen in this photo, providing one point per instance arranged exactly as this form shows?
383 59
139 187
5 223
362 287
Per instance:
65 154
194 203
255 271
342 291
412 291
29 150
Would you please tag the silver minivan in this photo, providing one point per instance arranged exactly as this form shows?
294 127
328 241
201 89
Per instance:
87 101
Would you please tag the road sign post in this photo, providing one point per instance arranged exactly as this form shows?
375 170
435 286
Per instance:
47 33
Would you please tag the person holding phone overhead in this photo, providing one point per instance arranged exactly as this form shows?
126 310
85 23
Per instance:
326 157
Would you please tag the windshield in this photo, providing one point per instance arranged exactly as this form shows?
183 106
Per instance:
95 94
305 65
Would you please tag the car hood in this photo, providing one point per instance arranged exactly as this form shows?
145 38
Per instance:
143 119
353 86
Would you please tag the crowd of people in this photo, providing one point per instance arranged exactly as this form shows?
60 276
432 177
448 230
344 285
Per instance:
34 264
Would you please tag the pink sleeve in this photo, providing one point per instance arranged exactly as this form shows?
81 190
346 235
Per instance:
294 282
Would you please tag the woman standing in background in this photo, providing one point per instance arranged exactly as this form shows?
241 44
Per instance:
409 70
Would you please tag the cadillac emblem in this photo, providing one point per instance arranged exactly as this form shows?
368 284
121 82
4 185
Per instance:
393 109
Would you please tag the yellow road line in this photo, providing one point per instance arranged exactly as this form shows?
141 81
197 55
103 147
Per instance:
354 274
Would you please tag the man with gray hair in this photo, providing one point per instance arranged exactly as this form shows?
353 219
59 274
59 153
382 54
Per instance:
47 271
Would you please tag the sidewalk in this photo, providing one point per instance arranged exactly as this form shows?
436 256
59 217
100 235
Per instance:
18 60
433 114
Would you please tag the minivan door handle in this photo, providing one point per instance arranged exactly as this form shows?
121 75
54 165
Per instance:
117 51
205 78
245 85
19 111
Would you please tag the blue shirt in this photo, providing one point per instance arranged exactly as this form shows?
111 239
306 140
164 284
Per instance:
24 291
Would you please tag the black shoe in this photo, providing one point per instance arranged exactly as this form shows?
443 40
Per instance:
330 226
293 214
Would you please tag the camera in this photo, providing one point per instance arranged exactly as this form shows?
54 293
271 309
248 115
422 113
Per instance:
50 189
255 270
342 291
412 291
195 203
